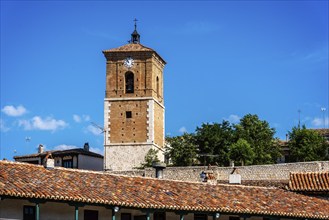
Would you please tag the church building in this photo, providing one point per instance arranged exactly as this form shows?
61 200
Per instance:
134 109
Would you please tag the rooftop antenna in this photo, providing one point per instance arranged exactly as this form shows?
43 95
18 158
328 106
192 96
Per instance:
323 109
98 126
103 130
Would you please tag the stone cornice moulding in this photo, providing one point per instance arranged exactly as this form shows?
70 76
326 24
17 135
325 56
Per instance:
134 99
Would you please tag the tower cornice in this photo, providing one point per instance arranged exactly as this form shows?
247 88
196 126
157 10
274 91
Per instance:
131 49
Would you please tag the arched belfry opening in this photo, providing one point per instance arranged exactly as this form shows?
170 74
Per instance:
129 80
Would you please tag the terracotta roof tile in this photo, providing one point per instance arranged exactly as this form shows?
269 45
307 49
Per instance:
98 188
311 181
130 47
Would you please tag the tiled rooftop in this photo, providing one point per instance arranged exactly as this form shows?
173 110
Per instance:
55 153
130 47
312 181
133 47
59 184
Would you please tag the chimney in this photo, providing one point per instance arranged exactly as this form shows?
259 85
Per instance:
40 149
49 162
159 167
86 146
235 177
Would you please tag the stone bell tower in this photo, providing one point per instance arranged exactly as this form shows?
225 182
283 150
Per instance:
133 105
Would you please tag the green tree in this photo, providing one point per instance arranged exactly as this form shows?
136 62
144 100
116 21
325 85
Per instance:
150 157
260 137
242 152
213 141
307 145
182 150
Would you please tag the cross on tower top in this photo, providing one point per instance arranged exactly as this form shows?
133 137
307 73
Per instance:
135 20
135 37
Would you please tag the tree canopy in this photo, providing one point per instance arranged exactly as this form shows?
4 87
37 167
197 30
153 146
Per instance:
307 145
249 142
241 152
182 150
260 136
213 141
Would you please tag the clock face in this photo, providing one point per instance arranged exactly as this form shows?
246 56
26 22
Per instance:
128 62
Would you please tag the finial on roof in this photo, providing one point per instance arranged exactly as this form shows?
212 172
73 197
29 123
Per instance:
135 20
135 37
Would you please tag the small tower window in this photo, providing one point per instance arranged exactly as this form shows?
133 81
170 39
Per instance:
129 79
128 114
158 85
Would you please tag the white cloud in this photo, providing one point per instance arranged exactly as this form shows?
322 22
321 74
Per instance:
182 130
319 122
26 124
48 124
3 127
64 147
233 118
14 111
94 130
79 119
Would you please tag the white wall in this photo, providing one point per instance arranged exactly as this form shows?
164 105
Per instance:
90 163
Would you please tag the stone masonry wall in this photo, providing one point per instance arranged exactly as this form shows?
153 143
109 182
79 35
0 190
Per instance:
273 172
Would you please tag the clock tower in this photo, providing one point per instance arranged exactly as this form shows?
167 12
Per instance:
133 105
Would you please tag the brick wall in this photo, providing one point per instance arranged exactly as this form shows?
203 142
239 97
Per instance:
128 130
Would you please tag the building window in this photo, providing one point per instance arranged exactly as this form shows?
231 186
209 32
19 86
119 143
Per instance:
200 217
159 216
28 212
68 163
158 86
125 216
129 79
128 114
90 215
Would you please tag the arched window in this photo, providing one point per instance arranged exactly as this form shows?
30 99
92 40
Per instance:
129 79
158 86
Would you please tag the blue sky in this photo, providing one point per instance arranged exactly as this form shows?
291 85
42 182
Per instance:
224 59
